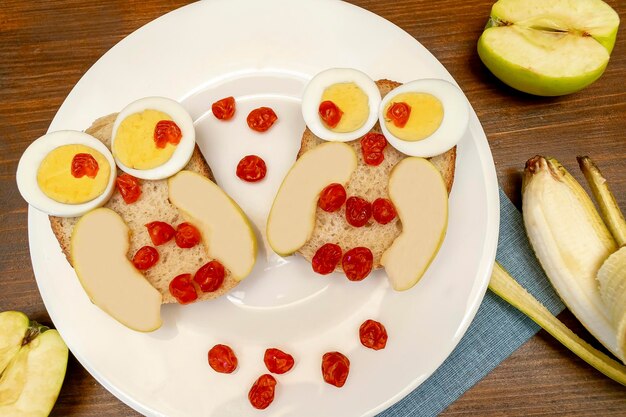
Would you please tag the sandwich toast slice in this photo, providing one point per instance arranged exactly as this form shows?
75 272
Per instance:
368 182
153 205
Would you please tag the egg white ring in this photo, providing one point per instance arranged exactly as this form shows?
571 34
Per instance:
453 126
182 154
312 98
31 159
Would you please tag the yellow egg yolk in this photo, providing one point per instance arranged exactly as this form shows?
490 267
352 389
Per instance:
352 101
55 178
425 117
134 144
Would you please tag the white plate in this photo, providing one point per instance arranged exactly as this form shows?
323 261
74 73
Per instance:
262 52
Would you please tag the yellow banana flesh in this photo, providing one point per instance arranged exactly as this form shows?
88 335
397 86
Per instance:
612 278
570 241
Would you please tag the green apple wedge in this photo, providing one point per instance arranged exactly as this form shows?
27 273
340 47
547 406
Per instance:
419 194
31 381
225 229
548 47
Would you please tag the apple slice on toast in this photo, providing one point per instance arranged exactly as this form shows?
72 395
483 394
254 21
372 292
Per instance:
369 182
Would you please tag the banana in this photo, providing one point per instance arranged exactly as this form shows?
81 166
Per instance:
571 242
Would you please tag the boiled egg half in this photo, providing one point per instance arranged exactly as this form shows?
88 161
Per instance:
340 104
424 117
66 173
153 138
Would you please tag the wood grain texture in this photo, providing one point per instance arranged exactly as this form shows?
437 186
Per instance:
45 47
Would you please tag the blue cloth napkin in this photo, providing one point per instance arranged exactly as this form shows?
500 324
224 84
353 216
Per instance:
497 330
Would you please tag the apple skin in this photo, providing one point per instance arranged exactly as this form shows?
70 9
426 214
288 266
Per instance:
608 41
528 81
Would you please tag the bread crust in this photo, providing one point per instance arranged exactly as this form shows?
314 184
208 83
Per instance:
153 205
370 183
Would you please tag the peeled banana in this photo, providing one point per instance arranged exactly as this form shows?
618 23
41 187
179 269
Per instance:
571 242
580 256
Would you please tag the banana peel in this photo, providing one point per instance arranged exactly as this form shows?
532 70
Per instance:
583 254
507 288
570 241
612 274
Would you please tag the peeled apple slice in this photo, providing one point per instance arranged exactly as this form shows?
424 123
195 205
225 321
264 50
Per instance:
98 246
292 218
225 229
571 242
419 194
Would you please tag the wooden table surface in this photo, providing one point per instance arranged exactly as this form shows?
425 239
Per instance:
46 46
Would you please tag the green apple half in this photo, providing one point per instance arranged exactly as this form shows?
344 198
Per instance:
33 360
548 47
